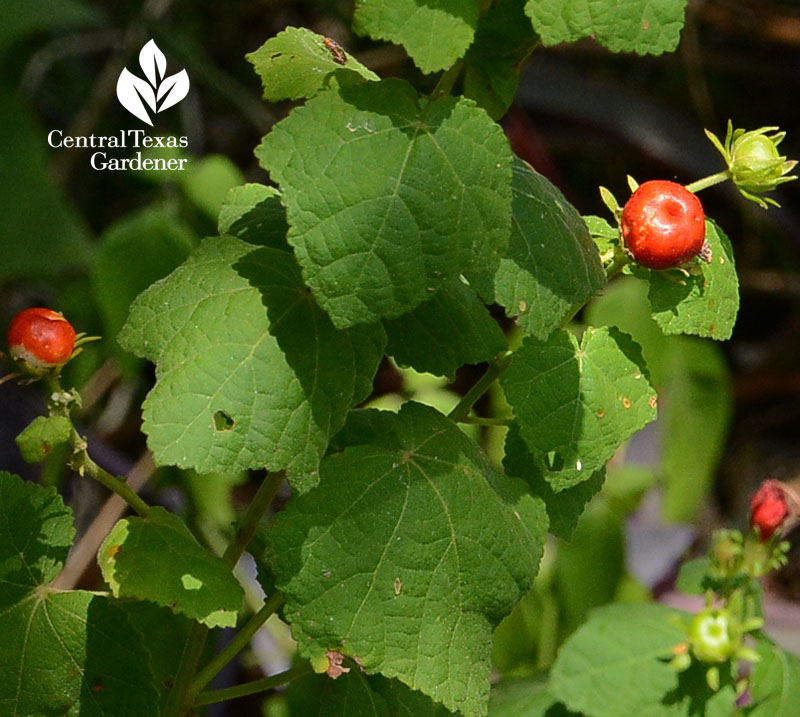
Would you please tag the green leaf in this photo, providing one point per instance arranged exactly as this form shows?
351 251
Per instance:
774 682
250 373
73 653
134 252
375 238
613 665
576 403
641 26
36 533
525 698
62 652
355 693
158 559
694 395
42 435
406 556
435 34
449 330
563 508
604 235
504 38
705 304
164 634
551 263
296 63
254 213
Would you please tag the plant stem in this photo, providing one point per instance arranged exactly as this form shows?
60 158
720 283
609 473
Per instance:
80 460
177 701
446 82
709 181
496 369
181 695
236 645
120 487
481 421
252 517
251 688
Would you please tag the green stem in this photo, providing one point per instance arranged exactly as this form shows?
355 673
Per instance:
481 421
251 688
114 484
252 517
446 82
80 460
236 645
496 369
177 701
709 181
180 699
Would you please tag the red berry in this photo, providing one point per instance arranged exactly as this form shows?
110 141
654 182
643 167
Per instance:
663 225
768 508
40 338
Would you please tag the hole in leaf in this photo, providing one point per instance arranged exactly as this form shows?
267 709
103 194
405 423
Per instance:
223 422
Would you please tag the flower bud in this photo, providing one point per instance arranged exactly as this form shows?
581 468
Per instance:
753 160
768 508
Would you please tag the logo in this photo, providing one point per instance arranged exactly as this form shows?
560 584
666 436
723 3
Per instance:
157 92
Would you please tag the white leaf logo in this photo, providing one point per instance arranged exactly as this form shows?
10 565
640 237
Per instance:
157 93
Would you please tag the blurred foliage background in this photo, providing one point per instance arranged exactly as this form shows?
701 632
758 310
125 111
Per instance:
86 242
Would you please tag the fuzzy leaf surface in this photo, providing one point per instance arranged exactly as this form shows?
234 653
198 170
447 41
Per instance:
449 330
70 653
254 213
435 33
647 27
158 559
355 693
775 682
242 377
705 304
551 262
375 238
576 403
612 664
563 507
407 554
296 63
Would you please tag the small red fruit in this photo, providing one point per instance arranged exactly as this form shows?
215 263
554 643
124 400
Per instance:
40 339
768 508
663 225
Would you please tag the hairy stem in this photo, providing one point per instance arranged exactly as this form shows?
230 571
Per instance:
251 688
709 181
177 701
182 694
236 645
446 82
59 405
252 517
496 369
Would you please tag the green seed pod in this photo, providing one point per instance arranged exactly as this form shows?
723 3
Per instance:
753 160
714 635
